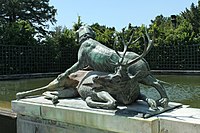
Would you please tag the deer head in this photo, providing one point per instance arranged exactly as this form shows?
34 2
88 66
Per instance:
121 75
121 66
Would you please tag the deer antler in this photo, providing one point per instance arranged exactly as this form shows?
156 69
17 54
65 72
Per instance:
121 70
122 56
146 48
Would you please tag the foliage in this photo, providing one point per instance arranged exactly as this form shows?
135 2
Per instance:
22 20
104 35
77 25
60 41
17 33
35 12
192 16
163 32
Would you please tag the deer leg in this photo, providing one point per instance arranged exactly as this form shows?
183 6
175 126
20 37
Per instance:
66 93
51 86
105 101
151 81
152 103
51 95
59 82
40 90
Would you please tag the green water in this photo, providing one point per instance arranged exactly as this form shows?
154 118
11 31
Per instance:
8 89
184 89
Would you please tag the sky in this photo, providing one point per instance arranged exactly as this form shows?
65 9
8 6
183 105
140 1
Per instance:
116 13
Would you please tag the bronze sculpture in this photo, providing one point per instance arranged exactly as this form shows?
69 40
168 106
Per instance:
115 77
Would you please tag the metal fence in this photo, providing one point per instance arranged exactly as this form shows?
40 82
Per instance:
32 59
179 57
42 59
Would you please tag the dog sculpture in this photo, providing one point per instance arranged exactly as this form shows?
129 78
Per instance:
120 67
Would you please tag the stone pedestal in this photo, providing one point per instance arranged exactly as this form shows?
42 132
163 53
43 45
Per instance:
74 116
183 120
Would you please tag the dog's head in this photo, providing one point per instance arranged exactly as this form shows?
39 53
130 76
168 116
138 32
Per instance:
84 33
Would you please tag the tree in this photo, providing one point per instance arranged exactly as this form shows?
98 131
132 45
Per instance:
59 41
34 12
77 25
164 33
17 33
135 31
192 15
158 28
104 35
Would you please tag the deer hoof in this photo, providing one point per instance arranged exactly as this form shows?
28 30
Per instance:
20 95
152 104
55 99
112 106
163 102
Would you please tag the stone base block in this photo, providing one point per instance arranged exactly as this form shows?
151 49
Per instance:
39 114
74 116
183 120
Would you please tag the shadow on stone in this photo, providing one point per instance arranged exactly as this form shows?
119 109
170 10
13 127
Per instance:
141 109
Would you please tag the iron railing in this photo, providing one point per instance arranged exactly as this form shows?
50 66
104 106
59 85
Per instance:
179 57
42 59
34 59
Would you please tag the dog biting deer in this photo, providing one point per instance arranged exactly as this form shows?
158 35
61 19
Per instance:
94 54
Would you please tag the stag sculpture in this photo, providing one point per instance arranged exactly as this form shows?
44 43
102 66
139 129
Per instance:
100 89
124 65
94 54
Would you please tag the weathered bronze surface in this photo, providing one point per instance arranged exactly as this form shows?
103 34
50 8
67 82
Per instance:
114 78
